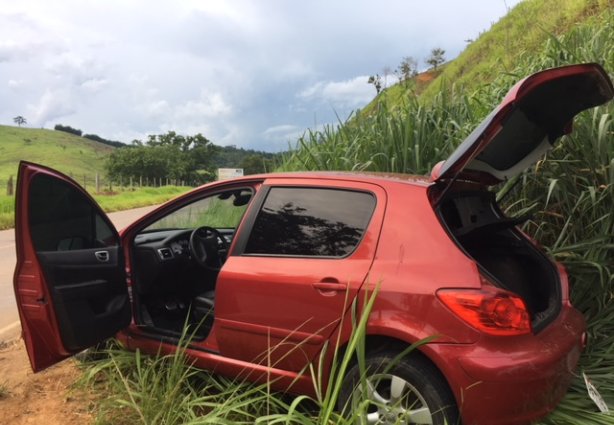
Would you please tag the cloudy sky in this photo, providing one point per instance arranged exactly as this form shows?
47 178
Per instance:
254 74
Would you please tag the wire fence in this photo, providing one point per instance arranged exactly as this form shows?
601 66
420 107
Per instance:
100 184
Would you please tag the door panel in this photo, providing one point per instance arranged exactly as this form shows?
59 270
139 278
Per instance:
279 309
69 278
87 294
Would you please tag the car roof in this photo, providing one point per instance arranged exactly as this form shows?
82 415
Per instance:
363 176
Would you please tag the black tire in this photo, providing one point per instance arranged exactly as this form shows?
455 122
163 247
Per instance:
422 391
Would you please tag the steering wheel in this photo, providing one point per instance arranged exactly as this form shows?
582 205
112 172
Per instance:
205 246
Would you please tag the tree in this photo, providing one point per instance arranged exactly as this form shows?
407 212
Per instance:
253 164
168 155
436 58
376 81
407 69
68 129
97 138
183 143
19 120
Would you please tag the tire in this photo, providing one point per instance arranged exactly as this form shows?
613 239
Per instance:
422 394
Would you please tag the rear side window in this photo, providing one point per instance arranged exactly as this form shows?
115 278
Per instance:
310 222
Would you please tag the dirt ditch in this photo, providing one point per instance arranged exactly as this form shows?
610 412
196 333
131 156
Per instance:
49 397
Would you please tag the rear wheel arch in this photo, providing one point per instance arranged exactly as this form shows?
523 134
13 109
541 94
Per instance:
426 374
375 344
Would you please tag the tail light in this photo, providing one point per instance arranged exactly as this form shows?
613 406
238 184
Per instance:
491 310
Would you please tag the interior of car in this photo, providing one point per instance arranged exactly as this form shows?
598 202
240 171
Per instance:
176 260
482 230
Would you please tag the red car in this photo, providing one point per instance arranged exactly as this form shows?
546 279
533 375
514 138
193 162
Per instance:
263 268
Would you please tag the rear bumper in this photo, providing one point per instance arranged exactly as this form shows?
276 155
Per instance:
515 381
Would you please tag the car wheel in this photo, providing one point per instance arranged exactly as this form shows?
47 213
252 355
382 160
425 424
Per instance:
412 391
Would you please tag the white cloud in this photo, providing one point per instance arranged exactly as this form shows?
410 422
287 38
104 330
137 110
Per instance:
209 105
53 104
188 117
15 84
94 85
157 109
282 133
349 93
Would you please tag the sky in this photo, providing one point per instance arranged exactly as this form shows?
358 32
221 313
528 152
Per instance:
255 74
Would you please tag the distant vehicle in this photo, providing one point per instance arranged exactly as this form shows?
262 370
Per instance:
262 269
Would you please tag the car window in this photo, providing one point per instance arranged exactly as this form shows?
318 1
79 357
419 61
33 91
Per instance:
221 210
310 222
63 219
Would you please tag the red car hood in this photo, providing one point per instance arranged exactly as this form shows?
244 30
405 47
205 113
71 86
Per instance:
533 115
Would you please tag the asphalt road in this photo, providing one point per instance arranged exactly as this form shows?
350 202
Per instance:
9 319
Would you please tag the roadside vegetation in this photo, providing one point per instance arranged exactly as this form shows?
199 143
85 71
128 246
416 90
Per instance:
78 157
120 199
120 176
168 390
570 195
126 198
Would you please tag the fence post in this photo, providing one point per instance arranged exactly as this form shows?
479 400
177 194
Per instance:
140 181
97 182
130 182
9 186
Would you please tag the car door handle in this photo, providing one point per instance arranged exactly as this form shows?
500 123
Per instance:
102 256
330 286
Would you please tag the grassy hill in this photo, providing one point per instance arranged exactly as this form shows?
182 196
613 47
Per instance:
65 152
413 87
524 30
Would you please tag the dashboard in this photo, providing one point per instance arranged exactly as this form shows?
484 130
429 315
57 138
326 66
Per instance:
173 243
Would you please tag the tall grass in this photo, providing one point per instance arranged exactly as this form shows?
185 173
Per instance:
169 390
409 139
7 211
570 192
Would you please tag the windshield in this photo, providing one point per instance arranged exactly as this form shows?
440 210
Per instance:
221 210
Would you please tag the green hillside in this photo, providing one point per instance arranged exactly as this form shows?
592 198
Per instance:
65 152
524 30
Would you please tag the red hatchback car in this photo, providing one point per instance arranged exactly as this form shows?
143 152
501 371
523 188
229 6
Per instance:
263 268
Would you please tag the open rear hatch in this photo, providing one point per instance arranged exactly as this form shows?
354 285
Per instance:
533 115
